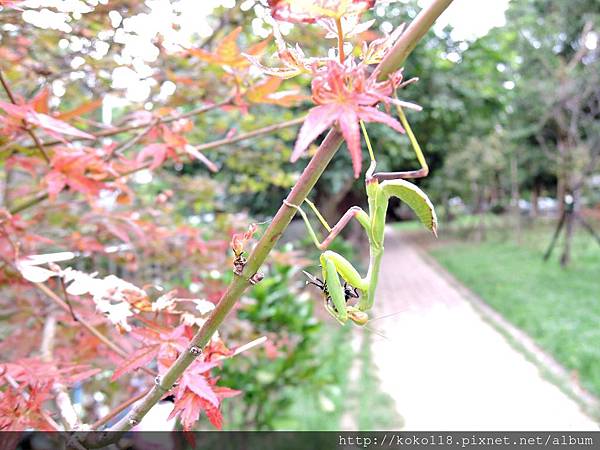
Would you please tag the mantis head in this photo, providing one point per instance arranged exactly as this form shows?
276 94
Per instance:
357 316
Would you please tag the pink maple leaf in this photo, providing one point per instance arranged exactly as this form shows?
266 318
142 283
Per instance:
197 393
345 95
54 127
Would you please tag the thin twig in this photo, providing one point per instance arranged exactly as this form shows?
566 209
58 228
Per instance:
89 327
37 198
66 298
39 144
250 134
84 323
63 402
226 141
41 196
124 129
118 409
137 138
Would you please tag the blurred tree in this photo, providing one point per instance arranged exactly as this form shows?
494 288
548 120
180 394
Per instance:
557 104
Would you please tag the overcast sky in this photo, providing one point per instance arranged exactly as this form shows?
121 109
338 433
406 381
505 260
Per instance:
472 18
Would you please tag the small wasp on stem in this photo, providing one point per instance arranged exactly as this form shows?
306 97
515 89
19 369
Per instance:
239 262
237 244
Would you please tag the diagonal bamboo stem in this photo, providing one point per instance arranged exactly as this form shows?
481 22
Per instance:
264 246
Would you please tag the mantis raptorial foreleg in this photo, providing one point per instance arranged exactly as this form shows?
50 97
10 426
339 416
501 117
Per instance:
353 212
332 263
378 194
407 174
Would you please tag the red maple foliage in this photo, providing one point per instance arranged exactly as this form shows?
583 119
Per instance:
27 113
311 11
24 387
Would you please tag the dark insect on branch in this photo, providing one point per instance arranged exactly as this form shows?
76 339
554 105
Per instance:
239 262
350 292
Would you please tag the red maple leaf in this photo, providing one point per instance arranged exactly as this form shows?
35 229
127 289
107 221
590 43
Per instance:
164 345
11 4
310 11
265 92
345 95
81 169
199 393
28 113
227 52
157 153
173 141
31 383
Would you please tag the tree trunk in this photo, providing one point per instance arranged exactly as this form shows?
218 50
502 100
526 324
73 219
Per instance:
565 258
514 191
561 190
446 202
481 195
571 211
535 195
330 208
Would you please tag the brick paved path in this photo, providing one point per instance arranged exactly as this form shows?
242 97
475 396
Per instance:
448 369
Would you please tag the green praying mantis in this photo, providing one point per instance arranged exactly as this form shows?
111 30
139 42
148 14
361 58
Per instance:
380 187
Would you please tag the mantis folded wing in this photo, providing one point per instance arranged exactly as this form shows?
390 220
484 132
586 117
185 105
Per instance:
380 188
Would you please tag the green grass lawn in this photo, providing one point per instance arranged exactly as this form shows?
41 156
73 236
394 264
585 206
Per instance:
559 308
368 407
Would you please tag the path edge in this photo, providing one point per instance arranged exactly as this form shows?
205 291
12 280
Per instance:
549 368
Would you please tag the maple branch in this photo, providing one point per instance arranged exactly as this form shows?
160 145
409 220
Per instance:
89 327
124 129
41 196
39 144
37 198
63 402
118 409
239 284
250 134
